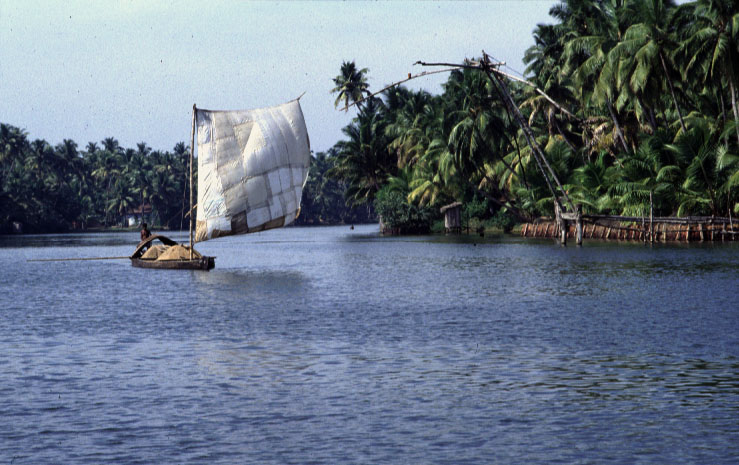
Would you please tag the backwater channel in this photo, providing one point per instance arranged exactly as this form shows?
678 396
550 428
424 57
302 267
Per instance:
330 345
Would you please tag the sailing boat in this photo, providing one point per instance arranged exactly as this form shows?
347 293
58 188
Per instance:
252 167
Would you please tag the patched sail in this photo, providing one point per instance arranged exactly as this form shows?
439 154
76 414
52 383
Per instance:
252 166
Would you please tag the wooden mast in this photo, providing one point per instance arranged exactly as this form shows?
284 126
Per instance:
192 156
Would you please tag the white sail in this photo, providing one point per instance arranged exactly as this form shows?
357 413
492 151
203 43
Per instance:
252 166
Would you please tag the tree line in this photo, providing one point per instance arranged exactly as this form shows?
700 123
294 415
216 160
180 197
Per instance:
60 188
646 106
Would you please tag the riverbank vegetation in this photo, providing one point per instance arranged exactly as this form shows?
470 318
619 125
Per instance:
45 188
638 101
643 101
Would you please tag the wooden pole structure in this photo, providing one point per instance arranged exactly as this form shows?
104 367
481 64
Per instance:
192 156
477 65
651 219
578 225
73 259
561 224
731 221
397 83
539 157
489 68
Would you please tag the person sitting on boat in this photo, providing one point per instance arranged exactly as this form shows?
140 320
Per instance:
145 233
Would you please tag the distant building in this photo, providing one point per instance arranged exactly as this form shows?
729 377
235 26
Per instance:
452 218
133 216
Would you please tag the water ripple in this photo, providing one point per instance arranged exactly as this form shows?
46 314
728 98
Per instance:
321 345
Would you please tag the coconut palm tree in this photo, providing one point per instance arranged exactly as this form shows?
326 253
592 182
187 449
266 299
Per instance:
702 182
363 160
107 169
712 49
592 30
645 50
350 84
727 168
543 62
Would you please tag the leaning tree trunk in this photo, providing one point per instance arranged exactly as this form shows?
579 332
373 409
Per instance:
649 114
723 115
619 132
733 106
672 91
564 137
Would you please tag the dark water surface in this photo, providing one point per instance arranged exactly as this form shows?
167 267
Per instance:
325 345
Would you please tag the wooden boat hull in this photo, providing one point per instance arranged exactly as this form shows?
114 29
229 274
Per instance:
204 263
201 263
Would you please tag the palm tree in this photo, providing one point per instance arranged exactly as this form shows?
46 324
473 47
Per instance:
350 84
139 170
701 183
364 160
414 125
13 141
435 178
122 199
107 169
727 169
713 46
648 170
543 62
650 43
589 185
592 31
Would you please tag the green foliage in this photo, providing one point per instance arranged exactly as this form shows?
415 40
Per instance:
323 197
476 224
397 214
350 84
476 208
646 104
503 221
52 189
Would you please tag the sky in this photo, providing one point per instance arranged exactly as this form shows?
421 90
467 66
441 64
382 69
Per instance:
87 70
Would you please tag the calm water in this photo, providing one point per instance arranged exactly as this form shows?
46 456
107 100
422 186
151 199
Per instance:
325 345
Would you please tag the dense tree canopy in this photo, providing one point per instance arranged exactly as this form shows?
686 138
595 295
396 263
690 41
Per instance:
646 104
60 188
641 101
54 189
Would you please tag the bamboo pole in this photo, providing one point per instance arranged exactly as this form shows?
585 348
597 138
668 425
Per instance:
74 259
731 221
651 218
539 156
491 70
192 156
477 65
410 77
664 219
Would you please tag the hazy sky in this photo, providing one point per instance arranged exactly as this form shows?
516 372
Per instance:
86 70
